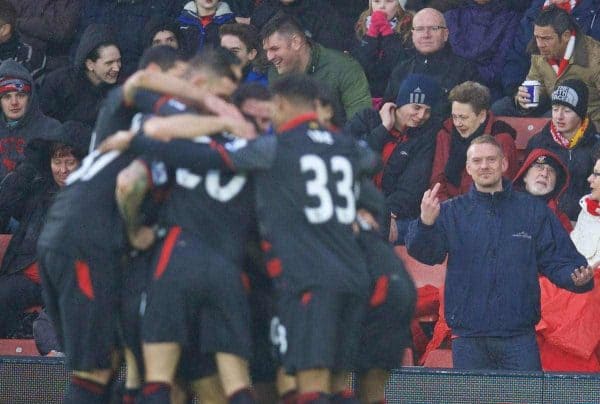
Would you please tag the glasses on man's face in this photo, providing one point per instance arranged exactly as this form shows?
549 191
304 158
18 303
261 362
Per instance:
596 174
432 28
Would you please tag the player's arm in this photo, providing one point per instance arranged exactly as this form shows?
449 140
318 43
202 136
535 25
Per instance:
162 83
189 126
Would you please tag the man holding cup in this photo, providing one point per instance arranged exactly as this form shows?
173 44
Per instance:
559 52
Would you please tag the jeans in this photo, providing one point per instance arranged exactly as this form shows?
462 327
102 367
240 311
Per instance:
504 353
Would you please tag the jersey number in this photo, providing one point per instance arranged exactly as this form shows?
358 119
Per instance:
212 184
317 187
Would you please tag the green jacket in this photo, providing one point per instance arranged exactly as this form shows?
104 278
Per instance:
342 74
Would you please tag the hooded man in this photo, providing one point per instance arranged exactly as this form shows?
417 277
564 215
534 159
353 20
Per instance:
74 93
21 117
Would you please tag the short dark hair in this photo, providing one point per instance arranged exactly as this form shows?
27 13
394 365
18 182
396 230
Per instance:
298 88
557 18
217 60
246 33
470 92
596 155
8 14
282 23
164 56
248 91
487 139
157 24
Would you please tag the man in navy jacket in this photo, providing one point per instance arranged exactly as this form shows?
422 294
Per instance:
497 240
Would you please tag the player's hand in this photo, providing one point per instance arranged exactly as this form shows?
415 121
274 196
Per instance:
522 98
393 236
366 219
241 128
430 205
118 141
152 128
218 106
582 275
388 115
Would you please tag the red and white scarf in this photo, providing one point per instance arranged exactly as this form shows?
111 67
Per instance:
568 6
559 67
574 140
592 206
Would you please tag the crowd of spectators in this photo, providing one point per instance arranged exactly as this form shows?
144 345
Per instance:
417 80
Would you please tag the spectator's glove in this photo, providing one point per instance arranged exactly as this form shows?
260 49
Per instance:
386 28
378 22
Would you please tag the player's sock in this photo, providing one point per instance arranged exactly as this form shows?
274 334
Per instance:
85 391
130 396
242 396
291 397
344 397
156 393
315 397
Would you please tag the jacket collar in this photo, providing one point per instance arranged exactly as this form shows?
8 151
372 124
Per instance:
580 53
486 197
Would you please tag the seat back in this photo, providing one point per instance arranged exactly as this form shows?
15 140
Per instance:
18 347
422 274
526 128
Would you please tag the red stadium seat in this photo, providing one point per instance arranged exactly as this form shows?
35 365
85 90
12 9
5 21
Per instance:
526 127
439 358
422 274
18 347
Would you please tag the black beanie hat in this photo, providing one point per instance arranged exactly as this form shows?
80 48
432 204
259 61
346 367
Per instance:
572 93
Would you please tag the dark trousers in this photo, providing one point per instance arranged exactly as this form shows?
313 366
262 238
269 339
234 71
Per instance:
17 293
502 353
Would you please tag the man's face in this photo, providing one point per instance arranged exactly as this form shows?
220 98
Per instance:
106 68
413 115
540 179
165 38
594 180
565 120
62 164
550 44
427 35
237 47
14 105
259 111
206 7
465 120
282 52
486 166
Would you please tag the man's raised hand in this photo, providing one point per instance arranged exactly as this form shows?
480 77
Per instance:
430 205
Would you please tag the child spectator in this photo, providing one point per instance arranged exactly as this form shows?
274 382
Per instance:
199 23
242 40
383 31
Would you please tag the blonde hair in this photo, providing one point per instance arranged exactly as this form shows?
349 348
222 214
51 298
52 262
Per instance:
402 28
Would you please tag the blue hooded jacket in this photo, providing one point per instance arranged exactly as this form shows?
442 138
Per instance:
496 245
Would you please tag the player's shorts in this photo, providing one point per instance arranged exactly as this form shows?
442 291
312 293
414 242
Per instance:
386 329
318 328
82 299
196 298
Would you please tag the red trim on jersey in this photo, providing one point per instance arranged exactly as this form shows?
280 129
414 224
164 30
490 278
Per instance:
160 102
297 121
245 281
274 268
224 154
32 272
84 279
306 298
380 291
265 246
167 250
154 387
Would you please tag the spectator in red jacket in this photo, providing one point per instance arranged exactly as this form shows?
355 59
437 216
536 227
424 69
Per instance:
471 118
